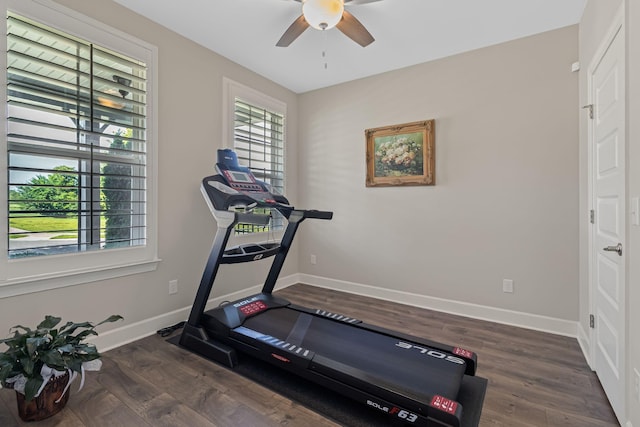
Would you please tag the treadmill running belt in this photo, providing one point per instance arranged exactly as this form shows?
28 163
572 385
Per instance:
408 371
299 330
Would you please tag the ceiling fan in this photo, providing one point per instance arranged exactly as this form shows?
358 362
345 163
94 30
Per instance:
326 14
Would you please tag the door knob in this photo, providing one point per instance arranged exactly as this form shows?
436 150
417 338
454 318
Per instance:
617 248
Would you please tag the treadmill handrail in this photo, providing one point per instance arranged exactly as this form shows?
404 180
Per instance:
315 214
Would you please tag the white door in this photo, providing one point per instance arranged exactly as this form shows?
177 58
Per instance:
608 255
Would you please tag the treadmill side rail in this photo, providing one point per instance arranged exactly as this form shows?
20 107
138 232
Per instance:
280 350
328 314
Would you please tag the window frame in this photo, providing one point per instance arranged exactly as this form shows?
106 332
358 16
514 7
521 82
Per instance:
33 274
231 91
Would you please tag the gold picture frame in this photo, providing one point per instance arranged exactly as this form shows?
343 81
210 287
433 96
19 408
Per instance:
401 154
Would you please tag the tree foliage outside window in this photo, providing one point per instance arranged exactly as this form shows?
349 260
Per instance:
55 194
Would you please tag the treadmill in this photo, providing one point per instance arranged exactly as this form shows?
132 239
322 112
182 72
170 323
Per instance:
411 380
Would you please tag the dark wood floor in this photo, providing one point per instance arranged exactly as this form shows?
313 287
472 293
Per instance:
535 379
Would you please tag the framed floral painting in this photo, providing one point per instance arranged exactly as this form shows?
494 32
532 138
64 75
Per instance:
401 154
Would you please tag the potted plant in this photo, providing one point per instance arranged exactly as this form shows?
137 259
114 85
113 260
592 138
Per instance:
40 364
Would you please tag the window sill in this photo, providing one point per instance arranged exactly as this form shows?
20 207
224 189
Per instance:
31 284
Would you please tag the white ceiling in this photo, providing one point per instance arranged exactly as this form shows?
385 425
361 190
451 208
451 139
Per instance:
407 32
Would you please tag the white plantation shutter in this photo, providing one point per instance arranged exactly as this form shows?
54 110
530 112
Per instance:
259 144
76 142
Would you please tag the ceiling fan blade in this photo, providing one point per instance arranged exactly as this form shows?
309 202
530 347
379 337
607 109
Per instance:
293 32
353 29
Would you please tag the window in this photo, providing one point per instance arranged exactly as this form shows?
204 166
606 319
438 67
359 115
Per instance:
77 143
258 140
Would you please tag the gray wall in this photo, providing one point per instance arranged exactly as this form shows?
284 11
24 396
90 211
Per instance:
506 194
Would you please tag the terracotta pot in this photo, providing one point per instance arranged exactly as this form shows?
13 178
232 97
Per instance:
44 406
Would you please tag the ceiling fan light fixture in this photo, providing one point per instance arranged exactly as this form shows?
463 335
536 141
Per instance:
323 14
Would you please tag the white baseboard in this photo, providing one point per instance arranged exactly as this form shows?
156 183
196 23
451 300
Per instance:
129 333
475 311
135 331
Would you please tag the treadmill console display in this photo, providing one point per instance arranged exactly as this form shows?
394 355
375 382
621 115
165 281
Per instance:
235 187
239 177
241 181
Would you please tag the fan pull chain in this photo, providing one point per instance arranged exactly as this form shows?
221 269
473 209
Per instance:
324 51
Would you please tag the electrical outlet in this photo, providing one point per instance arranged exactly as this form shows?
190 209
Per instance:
507 286
173 287
313 260
636 384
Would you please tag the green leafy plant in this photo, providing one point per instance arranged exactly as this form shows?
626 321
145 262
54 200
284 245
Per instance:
62 349
55 193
